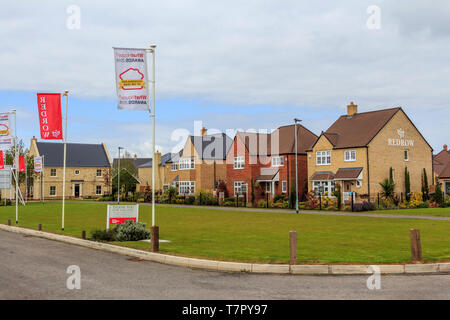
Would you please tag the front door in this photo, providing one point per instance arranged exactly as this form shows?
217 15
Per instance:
77 191
447 187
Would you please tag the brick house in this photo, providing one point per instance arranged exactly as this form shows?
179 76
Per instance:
441 164
359 149
163 174
88 170
268 160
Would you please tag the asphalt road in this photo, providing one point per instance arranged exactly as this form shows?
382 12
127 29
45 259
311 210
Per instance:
35 268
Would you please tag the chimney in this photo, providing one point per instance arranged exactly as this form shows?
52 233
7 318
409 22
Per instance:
158 158
135 156
204 131
352 109
445 147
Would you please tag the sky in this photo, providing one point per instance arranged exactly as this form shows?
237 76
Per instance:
233 65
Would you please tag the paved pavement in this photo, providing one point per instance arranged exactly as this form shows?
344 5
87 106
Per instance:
35 268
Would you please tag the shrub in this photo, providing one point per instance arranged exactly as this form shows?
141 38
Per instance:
262 204
281 204
416 200
279 198
104 235
229 202
6 202
433 204
131 231
312 202
189 200
364 206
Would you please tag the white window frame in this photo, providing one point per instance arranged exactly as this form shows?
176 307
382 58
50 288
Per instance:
329 185
238 187
96 190
406 155
284 186
350 155
186 163
239 162
77 172
268 186
278 161
99 175
323 157
186 187
51 170
174 167
50 191
358 183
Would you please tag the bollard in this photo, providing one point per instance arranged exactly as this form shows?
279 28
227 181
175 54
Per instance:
154 236
293 247
83 235
416 247
39 227
9 222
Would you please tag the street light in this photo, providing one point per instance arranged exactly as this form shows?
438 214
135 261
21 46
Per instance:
296 166
118 179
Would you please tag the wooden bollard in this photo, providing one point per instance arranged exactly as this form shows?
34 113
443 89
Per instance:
416 246
39 227
9 222
83 234
293 247
154 238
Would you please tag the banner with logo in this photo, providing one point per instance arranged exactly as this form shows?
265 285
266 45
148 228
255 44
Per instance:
6 141
21 163
2 164
131 79
117 214
50 119
37 161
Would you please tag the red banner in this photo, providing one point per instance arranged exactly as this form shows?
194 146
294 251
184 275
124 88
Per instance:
50 120
21 163
2 164
120 220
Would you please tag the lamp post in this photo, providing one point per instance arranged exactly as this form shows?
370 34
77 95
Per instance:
118 178
296 166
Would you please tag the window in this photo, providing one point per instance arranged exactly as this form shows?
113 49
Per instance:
53 190
98 190
99 172
323 158
239 162
406 155
284 186
77 171
277 161
358 184
187 163
186 187
174 166
267 186
238 187
393 175
325 186
350 155
52 172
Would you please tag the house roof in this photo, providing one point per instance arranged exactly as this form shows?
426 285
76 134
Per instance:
359 129
348 173
322 175
441 161
445 172
165 158
212 146
136 161
280 141
268 174
78 154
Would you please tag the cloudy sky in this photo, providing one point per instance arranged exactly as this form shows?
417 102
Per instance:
230 64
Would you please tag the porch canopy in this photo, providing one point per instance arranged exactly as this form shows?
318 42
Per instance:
268 175
348 173
322 176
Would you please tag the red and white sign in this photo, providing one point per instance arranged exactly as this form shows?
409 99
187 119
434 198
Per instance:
117 214
50 119
6 140
2 164
21 163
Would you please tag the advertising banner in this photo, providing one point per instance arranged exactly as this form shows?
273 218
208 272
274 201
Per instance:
6 141
50 119
21 163
37 164
5 178
131 79
2 164
117 214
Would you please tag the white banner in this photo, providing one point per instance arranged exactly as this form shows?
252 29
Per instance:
131 79
5 178
38 164
6 141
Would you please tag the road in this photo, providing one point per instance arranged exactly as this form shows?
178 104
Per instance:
35 268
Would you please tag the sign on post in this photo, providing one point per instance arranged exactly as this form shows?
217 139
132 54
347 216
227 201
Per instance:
6 141
117 214
5 178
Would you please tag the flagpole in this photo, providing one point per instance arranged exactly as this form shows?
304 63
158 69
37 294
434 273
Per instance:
42 176
26 179
153 47
66 94
17 165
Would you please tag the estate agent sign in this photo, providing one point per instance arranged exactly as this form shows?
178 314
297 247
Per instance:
6 140
117 214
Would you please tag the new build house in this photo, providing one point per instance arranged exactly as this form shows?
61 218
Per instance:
267 160
441 163
359 149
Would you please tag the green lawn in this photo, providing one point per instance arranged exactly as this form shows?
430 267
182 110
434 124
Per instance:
432 212
256 236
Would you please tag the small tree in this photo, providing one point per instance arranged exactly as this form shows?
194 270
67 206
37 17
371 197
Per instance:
338 194
425 188
438 194
391 174
407 184
252 191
